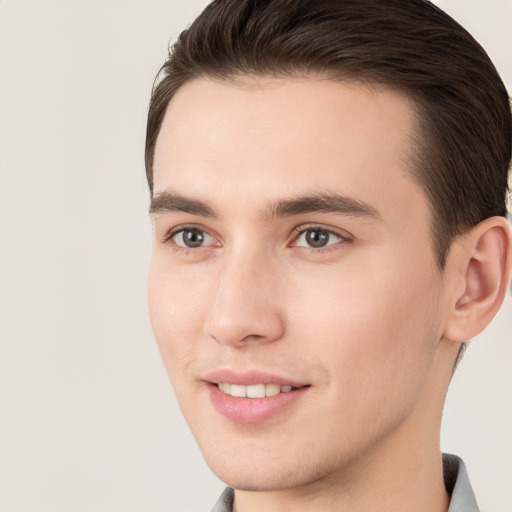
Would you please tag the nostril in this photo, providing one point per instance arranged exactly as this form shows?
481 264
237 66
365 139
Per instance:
243 325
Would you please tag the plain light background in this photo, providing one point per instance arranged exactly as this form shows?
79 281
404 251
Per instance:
88 421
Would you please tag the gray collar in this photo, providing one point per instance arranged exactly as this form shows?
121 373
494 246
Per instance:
225 501
456 481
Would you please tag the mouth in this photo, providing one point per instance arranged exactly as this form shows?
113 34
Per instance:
253 390
253 397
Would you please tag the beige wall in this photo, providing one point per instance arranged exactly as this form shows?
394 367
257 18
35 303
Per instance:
87 418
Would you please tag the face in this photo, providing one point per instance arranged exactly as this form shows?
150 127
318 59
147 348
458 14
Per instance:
293 291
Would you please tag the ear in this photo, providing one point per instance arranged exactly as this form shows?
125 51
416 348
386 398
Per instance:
479 268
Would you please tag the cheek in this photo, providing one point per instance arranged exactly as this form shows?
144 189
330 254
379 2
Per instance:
369 326
375 339
176 311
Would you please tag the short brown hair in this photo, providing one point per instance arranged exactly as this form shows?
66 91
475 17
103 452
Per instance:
463 143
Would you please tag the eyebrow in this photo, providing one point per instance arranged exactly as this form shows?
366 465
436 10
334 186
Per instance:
169 201
323 203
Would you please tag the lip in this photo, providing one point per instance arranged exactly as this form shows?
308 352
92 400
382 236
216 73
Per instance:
251 378
252 410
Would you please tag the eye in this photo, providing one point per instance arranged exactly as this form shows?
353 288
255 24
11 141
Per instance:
317 238
192 238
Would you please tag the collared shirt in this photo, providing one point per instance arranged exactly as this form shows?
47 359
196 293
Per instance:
456 481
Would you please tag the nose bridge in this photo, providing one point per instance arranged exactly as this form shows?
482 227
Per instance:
246 305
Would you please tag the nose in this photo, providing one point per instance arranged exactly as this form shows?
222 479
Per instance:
246 306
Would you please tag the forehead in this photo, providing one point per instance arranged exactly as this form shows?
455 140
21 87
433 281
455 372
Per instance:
262 138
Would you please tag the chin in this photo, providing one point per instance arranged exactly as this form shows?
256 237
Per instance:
261 479
267 472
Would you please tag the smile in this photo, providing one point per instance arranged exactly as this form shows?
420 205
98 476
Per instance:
254 403
254 390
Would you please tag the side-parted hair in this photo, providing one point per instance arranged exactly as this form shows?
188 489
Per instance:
462 142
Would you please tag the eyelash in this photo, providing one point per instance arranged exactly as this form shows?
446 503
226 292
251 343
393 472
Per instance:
345 238
298 231
168 239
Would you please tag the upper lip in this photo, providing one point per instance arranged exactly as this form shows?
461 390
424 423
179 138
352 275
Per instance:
250 378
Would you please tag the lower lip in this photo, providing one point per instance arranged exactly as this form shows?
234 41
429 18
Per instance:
252 410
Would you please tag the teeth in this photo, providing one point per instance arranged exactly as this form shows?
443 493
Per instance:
224 386
238 390
272 389
256 391
253 391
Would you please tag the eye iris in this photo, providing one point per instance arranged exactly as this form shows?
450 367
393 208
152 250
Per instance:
193 237
317 238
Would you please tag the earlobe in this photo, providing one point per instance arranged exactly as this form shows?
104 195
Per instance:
483 267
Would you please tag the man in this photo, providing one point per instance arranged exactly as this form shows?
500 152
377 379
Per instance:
328 184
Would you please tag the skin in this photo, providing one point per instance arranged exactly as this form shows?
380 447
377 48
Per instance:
362 320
